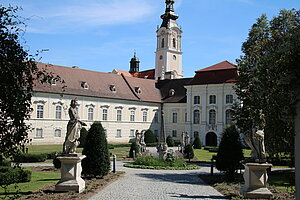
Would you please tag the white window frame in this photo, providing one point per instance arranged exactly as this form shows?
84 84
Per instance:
196 99
174 133
119 133
174 117
196 118
104 114
40 131
228 117
58 112
57 132
212 99
90 113
40 111
145 116
132 115
229 99
131 133
119 115
212 116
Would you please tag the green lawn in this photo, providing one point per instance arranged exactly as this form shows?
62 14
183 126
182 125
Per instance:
38 180
204 155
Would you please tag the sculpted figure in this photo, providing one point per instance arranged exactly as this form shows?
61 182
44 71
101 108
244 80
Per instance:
139 138
183 134
255 140
73 130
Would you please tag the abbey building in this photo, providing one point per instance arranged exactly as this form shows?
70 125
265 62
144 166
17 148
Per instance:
126 101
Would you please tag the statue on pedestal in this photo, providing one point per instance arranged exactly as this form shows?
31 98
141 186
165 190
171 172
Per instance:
255 140
185 140
73 130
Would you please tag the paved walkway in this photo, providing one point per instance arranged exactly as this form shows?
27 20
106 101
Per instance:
140 184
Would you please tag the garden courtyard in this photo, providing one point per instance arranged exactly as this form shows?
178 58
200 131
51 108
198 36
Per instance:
132 183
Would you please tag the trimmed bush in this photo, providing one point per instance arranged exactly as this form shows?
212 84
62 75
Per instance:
28 158
149 137
189 152
5 163
197 143
97 161
9 175
82 139
56 162
134 146
170 141
230 152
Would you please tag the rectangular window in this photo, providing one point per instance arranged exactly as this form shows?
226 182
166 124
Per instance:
174 133
132 114
156 117
174 117
57 133
229 98
39 133
58 112
131 133
212 99
91 114
104 114
40 111
185 117
144 116
119 115
119 133
196 99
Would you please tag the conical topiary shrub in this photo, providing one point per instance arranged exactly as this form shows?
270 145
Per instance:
134 146
230 152
170 141
197 143
189 152
97 161
82 139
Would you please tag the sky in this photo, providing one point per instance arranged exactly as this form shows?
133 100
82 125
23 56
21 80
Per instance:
102 35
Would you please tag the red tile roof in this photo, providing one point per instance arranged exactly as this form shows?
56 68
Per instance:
223 72
99 84
147 74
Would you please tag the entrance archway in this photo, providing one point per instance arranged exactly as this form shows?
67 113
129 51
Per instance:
211 139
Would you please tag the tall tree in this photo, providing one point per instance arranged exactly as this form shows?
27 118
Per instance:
269 72
18 73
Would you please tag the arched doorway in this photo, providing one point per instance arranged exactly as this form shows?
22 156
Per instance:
211 139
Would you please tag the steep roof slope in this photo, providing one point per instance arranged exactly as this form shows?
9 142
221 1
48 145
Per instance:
223 72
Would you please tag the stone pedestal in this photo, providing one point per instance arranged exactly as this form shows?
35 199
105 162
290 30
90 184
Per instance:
71 174
256 177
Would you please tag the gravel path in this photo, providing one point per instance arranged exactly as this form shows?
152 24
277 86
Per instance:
139 184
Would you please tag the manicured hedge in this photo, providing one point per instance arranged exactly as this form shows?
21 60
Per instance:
9 175
27 158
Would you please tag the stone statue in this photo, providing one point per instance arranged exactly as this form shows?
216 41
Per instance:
139 138
255 140
73 130
182 140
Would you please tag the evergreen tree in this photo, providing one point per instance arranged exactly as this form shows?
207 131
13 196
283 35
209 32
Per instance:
97 161
189 151
18 73
149 137
269 72
82 139
230 152
134 146
170 141
197 143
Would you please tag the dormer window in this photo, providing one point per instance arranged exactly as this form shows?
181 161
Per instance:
112 88
53 81
172 92
85 85
138 90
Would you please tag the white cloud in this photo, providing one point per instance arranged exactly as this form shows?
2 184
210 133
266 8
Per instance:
75 15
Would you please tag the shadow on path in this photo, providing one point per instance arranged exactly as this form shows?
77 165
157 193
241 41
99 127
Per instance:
191 178
195 196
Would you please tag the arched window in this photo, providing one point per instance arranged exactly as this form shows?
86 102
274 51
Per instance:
58 112
174 42
211 139
228 117
212 117
163 43
196 117
91 114
161 57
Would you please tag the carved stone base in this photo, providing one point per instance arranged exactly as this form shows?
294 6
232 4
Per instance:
71 174
256 177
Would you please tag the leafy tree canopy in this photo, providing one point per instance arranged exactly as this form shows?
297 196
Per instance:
18 73
269 72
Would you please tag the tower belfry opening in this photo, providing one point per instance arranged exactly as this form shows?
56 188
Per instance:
168 63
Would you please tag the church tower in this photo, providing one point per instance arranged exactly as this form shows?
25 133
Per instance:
168 64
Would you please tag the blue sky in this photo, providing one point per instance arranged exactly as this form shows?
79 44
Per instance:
102 35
